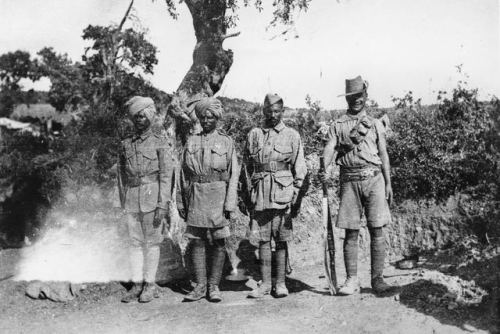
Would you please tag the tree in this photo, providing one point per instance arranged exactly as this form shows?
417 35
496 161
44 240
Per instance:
211 62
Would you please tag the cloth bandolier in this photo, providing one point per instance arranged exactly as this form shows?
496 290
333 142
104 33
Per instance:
146 178
209 180
362 187
275 165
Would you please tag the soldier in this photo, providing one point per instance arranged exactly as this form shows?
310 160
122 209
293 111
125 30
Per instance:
209 180
146 179
275 165
357 143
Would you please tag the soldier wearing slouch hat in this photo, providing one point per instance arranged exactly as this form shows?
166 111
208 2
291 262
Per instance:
357 144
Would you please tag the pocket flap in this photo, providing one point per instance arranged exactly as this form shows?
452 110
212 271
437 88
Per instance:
150 154
283 149
219 150
284 181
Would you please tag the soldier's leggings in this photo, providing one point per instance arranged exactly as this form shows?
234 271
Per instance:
377 252
199 258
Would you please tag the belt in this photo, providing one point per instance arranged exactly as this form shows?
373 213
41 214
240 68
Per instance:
357 174
208 178
138 180
271 166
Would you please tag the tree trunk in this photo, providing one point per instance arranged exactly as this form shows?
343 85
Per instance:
211 62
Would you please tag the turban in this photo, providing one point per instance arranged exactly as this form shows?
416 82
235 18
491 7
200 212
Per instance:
271 99
211 104
138 104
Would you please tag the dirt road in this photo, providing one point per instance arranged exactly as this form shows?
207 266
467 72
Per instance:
308 309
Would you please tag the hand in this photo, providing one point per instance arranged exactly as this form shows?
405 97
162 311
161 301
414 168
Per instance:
324 176
230 215
388 193
160 214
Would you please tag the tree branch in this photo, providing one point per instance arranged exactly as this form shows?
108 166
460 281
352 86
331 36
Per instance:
231 35
126 15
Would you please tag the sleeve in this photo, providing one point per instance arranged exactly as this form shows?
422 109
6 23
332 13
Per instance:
121 179
332 133
166 175
299 169
232 185
184 183
379 128
245 184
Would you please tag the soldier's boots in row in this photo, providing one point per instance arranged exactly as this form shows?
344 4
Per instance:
144 293
200 291
265 287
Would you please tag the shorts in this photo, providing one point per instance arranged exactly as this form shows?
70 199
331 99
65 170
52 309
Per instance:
367 195
141 230
273 223
207 233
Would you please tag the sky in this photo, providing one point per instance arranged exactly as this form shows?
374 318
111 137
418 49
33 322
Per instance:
396 45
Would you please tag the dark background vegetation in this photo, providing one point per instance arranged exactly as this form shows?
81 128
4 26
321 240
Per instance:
436 151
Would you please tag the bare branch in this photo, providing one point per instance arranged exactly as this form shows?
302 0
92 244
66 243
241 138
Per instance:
231 35
126 15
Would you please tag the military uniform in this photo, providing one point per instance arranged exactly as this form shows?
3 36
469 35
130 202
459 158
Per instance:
274 161
209 183
209 187
146 180
361 182
364 184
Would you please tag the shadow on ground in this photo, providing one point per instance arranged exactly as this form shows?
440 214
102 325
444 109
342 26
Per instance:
433 299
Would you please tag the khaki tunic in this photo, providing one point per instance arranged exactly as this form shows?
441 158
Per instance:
146 172
274 190
207 155
367 151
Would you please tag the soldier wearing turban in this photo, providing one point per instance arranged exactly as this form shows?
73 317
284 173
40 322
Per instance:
209 179
146 179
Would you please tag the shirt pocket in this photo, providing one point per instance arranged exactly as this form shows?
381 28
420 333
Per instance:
282 152
283 190
219 158
150 160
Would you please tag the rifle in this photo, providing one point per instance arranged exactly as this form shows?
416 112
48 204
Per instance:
329 241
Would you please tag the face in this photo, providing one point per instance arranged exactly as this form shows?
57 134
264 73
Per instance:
356 102
273 114
207 121
141 122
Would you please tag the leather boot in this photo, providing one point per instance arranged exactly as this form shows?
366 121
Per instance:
265 269
133 294
214 293
280 290
149 292
199 292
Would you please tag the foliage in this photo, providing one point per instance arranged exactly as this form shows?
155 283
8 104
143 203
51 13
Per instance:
452 147
283 10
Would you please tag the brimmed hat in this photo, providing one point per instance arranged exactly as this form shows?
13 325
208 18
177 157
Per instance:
355 86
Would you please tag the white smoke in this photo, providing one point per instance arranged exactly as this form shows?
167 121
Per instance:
84 248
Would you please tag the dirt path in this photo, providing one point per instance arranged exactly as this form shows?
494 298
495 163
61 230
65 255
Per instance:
308 309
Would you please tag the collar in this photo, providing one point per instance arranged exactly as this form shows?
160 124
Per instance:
347 116
143 136
280 126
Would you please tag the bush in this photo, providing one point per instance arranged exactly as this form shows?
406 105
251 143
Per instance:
440 150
